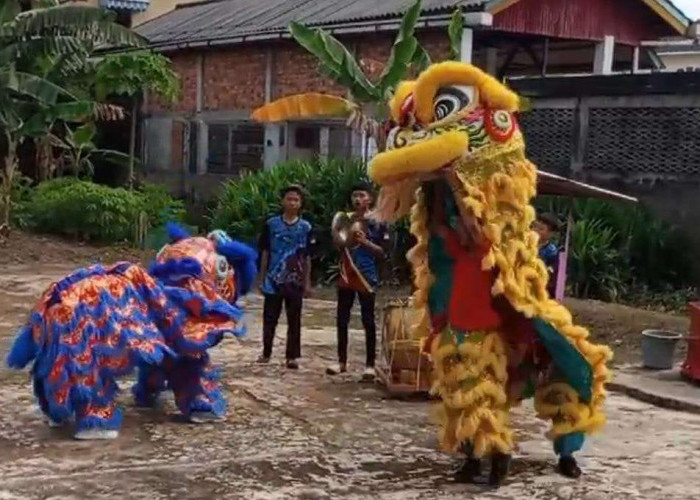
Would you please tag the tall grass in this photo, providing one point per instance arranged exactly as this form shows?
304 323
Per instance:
625 252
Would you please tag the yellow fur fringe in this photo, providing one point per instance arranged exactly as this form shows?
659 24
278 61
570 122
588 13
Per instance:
471 380
303 106
402 91
501 203
419 158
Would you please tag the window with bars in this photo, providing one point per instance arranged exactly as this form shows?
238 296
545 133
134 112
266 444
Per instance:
235 148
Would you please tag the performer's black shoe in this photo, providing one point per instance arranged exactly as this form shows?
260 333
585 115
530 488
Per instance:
500 464
468 471
568 467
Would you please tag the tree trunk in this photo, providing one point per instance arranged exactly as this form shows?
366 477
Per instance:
8 174
44 158
132 141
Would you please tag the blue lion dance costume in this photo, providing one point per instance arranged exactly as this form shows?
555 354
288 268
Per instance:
100 323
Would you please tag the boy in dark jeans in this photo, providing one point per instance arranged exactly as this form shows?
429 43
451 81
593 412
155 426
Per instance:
285 271
359 276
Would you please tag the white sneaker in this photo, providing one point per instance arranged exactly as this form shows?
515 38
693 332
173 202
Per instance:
204 417
55 425
336 369
369 374
94 434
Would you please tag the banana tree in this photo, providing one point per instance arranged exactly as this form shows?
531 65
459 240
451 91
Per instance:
365 107
79 150
47 28
131 74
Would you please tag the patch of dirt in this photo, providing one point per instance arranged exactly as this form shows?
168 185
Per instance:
27 248
616 325
621 327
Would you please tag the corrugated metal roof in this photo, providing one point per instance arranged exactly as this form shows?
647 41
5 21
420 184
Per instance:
135 5
229 19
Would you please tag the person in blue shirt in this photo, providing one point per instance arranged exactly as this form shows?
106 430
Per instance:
359 276
285 271
546 226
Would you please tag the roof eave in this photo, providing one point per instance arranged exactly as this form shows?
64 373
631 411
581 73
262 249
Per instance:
471 19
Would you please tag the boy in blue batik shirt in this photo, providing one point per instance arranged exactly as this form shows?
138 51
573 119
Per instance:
359 276
546 226
285 270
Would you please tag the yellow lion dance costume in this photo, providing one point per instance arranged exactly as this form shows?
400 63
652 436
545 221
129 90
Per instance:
456 128
455 160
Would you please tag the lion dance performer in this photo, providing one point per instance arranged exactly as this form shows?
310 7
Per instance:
456 161
100 323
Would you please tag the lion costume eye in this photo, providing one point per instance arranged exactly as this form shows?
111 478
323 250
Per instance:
451 100
221 267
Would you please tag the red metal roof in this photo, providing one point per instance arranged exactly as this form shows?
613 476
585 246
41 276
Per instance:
629 21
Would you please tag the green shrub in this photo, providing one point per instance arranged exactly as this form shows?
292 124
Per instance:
19 197
247 202
81 209
159 205
625 252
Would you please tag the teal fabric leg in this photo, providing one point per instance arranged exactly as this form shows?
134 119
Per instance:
568 444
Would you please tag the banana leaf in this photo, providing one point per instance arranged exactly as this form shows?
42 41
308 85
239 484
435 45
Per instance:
402 51
421 59
336 61
454 31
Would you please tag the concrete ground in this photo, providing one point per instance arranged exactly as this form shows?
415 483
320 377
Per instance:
305 435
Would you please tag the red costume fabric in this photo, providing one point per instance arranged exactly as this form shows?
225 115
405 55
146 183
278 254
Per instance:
471 304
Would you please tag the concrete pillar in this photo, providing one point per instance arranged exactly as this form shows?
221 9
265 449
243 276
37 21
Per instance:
202 146
275 144
466 47
202 128
324 141
200 83
492 61
604 56
274 152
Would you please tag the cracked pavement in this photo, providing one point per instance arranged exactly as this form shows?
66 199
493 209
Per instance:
306 435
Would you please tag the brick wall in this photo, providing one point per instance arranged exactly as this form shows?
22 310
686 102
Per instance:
296 71
234 77
436 43
185 65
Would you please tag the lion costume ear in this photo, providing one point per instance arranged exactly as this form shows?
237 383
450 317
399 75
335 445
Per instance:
243 260
176 232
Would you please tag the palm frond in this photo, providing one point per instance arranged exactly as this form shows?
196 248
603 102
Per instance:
55 45
32 86
87 23
9 9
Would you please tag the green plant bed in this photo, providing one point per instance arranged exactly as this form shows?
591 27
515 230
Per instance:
246 203
84 210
